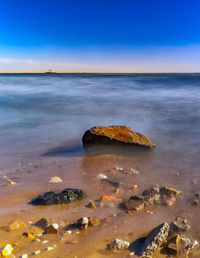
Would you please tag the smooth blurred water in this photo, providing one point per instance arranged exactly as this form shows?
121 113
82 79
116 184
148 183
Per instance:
42 111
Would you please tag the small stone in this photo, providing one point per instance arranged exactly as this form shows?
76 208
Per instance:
135 203
179 224
91 205
67 233
118 245
169 201
17 224
195 200
173 245
42 223
93 221
52 229
27 235
55 179
169 191
24 256
195 181
102 176
6 250
36 252
50 248
190 247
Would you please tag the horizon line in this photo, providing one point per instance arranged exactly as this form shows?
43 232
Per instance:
98 72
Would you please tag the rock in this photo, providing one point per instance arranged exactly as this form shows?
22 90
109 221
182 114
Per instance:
168 191
52 229
112 135
24 256
42 223
50 248
82 223
91 205
9 181
67 233
36 252
172 246
27 235
130 171
68 195
118 245
154 240
55 179
168 201
179 225
6 250
93 221
102 176
17 224
85 222
135 203
152 196
110 198
190 247
195 200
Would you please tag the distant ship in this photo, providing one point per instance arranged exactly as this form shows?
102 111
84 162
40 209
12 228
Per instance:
50 71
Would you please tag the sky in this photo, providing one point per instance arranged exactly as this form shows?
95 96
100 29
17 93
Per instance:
100 35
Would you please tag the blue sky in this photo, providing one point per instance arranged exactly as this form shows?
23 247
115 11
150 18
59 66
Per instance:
100 35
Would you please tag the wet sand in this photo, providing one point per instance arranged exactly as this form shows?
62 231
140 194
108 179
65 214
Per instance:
32 174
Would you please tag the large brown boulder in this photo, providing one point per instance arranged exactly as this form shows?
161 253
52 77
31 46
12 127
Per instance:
120 135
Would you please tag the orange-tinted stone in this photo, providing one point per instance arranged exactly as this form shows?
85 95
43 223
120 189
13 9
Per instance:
115 134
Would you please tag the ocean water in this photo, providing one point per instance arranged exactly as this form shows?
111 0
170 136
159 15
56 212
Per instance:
42 112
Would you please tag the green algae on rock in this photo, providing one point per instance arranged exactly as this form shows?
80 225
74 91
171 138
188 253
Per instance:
115 135
68 195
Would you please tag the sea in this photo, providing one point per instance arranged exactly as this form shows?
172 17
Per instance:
42 120
48 113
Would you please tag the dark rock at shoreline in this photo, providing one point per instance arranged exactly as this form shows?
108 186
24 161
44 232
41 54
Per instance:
115 135
68 195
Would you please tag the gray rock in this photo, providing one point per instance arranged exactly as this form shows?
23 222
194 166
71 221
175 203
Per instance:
154 240
118 245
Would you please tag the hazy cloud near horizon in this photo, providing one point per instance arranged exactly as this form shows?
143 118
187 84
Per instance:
162 59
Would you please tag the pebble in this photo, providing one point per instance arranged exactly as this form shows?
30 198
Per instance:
49 248
16 224
24 256
102 176
6 250
118 244
55 179
52 229
68 232
36 252
91 205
